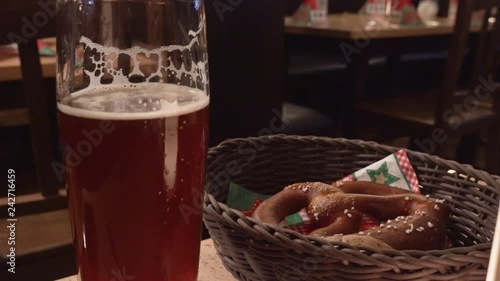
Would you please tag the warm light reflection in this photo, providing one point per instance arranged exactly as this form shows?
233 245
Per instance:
84 239
388 7
432 23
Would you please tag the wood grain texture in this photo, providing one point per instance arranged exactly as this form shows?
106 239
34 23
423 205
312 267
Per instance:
10 64
55 227
211 268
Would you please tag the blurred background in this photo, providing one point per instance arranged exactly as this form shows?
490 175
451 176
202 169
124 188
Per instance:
367 69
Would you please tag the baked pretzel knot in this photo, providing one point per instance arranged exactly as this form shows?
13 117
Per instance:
410 221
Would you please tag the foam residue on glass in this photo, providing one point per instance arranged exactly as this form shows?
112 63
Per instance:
153 85
106 59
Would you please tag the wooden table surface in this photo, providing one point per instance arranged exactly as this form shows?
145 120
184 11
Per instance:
211 268
338 26
10 65
353 26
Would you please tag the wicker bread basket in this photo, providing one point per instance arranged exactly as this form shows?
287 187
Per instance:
251 250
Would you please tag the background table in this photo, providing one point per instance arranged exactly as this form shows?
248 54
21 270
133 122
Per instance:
358 38
10 65
211 268
352 26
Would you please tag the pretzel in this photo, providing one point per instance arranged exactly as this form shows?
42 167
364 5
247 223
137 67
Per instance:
411 221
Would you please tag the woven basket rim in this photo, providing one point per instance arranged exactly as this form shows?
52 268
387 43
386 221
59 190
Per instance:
325 244
362 143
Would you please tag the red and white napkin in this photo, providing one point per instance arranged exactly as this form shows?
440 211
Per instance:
311 12
403 12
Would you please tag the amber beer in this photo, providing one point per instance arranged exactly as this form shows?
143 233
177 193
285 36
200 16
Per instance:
141 169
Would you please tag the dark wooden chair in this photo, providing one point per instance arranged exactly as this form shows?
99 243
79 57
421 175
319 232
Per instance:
35 261
40 104
453 110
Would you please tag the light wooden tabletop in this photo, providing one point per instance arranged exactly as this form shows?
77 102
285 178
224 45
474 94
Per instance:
10 65
354 26
211 268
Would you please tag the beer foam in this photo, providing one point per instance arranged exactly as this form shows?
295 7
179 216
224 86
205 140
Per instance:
134 101
168 64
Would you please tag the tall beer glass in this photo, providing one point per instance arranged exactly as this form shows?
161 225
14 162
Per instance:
133 115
